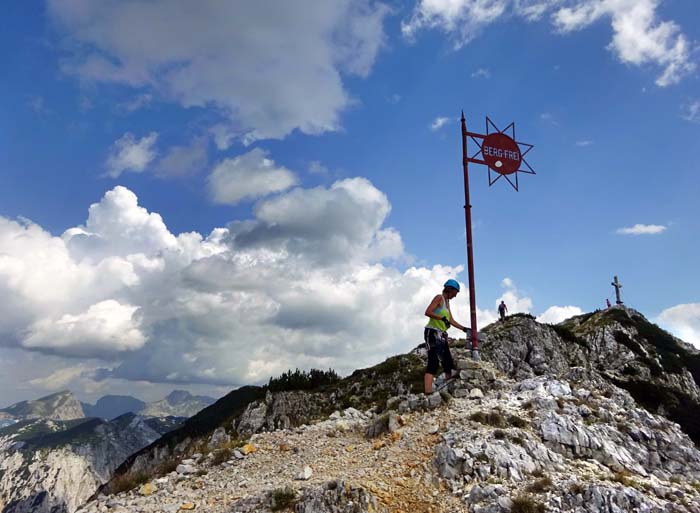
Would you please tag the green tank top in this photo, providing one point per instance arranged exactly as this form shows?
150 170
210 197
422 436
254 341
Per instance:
442 311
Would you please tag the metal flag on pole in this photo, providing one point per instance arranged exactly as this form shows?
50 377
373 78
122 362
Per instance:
504 156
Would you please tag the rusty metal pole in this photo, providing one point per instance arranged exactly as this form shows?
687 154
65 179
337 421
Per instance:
470 253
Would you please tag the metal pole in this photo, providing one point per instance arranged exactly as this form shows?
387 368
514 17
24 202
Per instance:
470 253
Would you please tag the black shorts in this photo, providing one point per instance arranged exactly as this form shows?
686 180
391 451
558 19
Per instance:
438 348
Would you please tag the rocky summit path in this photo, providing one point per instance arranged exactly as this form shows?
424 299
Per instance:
534 445
395 467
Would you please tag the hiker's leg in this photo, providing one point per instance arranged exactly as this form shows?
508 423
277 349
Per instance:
428 383
432 367
448 364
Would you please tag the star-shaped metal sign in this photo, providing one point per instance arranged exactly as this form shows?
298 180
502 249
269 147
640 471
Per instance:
501 153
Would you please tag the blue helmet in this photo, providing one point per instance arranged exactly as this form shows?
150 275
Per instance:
453 284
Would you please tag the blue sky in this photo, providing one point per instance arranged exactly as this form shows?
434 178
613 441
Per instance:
309 140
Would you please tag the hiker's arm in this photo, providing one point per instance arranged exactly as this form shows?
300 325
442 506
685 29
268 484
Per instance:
455 323
432 306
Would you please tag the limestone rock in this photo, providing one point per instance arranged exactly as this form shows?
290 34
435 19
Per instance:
219 438
305 473
147 489
476 393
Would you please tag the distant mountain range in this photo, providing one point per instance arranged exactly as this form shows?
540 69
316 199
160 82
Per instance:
65 406
55 451
111 406
52 466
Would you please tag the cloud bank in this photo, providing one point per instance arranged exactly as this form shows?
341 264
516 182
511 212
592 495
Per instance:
295 285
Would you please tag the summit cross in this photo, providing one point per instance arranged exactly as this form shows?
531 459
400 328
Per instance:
617 286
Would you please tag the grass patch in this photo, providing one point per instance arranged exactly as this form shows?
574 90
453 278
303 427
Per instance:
492 418
576 489
128 482
540 486
167 467
623 478
517 439
499 434
673 356
617 315
679 407
517 422
526 504
283 498
566 334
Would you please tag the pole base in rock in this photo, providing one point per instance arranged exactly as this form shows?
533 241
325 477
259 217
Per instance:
475 355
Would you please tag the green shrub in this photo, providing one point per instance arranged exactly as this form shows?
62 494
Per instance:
283 498
630 370
303 380
522 315
623 339
221 455
499 434
566 334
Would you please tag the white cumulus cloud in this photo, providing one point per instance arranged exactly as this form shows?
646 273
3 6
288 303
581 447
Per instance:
438 123
297 285
691 111
639 36
557 314
248 176
683 321
268 67
131 154
642 229
105 327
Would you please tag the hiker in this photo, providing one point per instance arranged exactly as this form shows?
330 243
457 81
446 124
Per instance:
502 309
435 334
608 302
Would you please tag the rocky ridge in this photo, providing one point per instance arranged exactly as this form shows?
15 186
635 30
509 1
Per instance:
660 371
178 403
59 406
485 443
545 424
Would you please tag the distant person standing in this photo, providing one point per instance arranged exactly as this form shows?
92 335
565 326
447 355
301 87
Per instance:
502 310
607 301
435 334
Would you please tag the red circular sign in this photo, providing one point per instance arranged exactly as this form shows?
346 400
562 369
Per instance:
501 153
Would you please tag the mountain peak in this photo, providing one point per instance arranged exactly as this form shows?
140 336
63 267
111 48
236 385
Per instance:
61 405
178 396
